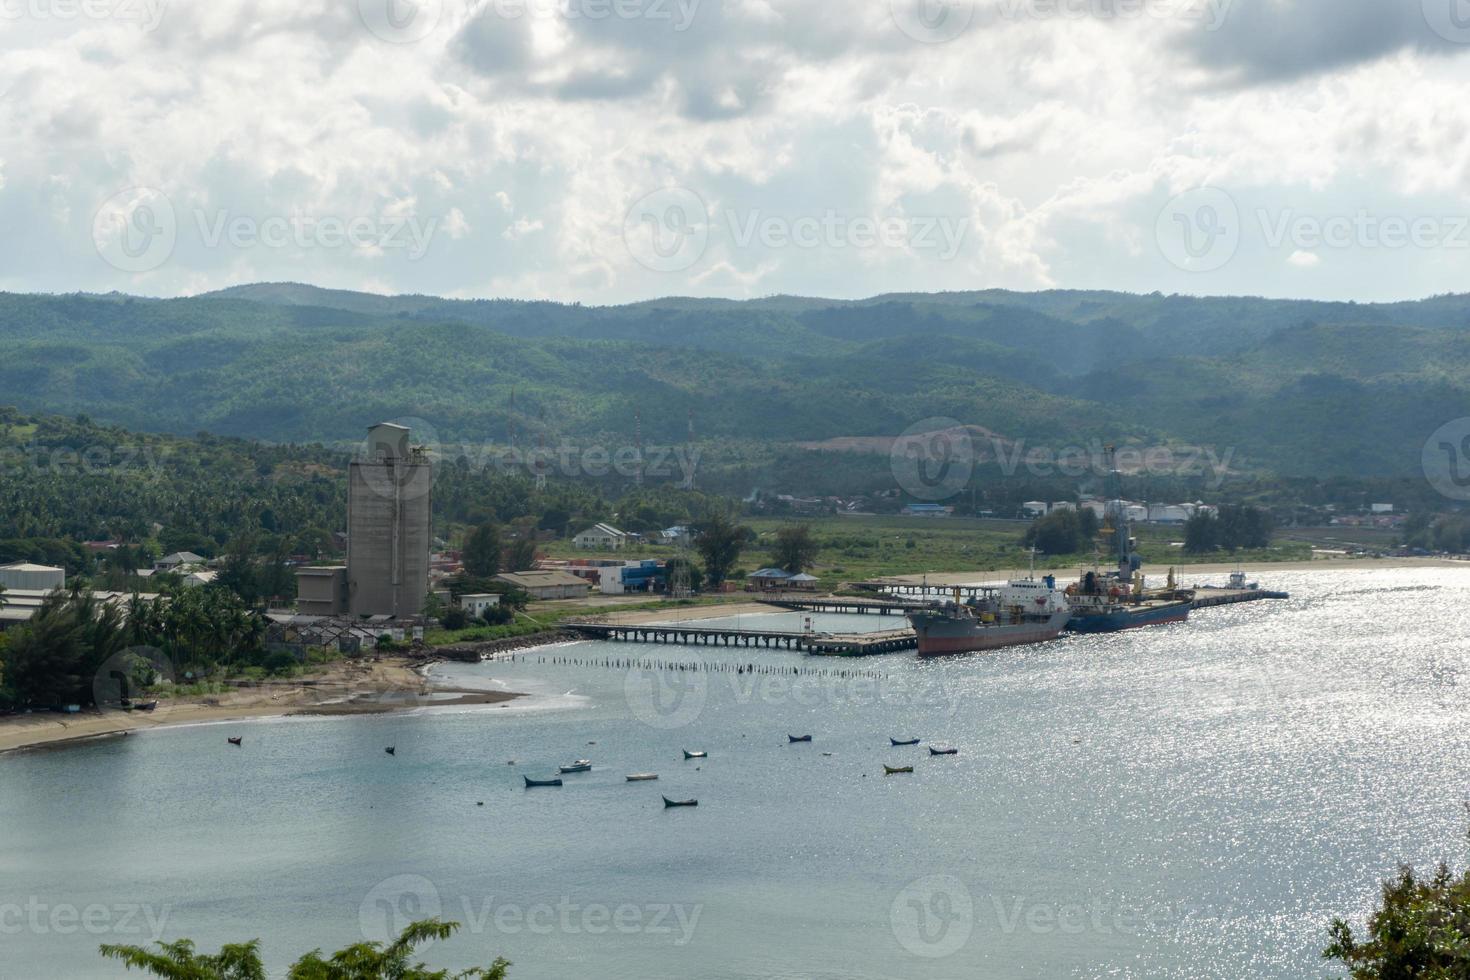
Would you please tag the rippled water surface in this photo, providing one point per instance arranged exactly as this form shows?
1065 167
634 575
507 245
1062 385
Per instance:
1189 801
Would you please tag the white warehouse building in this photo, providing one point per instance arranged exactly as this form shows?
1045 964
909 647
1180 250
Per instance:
26 576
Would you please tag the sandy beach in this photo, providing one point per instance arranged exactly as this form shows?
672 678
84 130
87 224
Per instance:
347 688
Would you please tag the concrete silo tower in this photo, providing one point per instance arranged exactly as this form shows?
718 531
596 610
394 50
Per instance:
388 498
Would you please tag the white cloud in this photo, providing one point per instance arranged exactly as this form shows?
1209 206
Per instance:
1304 260
1054 141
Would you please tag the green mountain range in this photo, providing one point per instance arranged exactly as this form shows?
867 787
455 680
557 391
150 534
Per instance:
1293 387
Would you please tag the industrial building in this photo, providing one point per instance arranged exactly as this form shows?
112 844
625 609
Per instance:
24 575
548 585
321 590
388 525
477 604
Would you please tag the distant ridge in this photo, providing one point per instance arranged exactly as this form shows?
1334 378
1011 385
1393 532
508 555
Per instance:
1293 386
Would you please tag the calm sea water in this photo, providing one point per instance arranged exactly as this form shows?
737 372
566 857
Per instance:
1192 801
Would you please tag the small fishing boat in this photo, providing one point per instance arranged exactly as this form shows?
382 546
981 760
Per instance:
695 755
798 738
146 705
642 777
934 751
577 767
668 802
540 782
894 770
235 740
902 741
391 749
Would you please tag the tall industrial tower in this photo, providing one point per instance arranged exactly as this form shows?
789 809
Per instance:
388 506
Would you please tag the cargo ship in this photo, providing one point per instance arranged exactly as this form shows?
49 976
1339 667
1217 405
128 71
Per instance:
1101 604
1022 611
1107 603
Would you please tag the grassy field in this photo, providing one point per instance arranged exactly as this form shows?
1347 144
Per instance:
857 548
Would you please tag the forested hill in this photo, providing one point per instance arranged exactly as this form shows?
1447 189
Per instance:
1295 387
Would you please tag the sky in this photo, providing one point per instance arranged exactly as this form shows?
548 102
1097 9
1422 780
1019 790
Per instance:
608 151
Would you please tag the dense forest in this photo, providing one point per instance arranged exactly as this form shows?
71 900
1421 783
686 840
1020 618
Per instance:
67 481
1290 388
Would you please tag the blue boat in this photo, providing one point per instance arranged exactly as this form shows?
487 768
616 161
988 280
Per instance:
1114 616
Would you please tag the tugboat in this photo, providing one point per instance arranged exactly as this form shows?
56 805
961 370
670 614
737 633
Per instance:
1022 611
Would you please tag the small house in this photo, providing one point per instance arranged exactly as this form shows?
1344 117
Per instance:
601 537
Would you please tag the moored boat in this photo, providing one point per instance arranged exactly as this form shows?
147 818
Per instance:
897 741
670 803
1102 604
576 767
235 740
946 751
695 755
1020 612
642 777
798 738
895 770
540 782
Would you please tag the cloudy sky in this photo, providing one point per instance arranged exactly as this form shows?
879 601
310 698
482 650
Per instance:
614 150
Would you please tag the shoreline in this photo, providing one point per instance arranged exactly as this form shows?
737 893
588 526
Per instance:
343 689
394 684
1188 574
